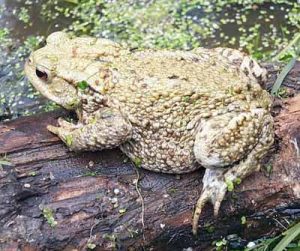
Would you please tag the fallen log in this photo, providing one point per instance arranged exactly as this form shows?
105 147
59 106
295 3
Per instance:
54 199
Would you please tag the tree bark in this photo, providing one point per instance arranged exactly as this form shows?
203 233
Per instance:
54 199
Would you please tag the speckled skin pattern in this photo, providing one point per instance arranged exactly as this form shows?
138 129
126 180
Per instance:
169 111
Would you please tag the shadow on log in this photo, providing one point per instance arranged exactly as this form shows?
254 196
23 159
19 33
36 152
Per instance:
54 199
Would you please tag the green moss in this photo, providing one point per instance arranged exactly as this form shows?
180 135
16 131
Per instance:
48 215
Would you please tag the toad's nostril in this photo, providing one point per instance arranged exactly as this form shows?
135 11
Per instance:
41 75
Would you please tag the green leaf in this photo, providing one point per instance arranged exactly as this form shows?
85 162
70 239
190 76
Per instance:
221 243
282 75
243 220
122 210
72 1
91 245
290 235
237 181
82 85
230 185
33 173
48 215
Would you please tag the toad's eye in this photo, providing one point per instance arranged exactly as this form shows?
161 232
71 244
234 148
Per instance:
41 75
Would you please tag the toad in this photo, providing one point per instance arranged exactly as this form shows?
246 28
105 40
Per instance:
168 111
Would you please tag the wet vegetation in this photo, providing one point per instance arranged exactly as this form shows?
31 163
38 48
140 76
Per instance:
268 30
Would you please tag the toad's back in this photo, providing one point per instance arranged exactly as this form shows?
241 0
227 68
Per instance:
165 95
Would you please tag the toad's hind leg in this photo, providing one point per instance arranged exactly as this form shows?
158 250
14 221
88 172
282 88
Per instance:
230 153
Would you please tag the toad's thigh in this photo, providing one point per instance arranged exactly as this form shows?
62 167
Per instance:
229 138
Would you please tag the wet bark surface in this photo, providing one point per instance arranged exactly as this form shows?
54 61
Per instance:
54 199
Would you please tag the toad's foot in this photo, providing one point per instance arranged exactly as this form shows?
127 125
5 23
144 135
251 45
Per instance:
107 129
214 190
63 124
232 158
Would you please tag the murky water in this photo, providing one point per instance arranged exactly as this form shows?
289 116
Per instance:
258 29
37 25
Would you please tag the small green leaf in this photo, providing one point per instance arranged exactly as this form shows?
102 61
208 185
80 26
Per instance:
72 1
221 243
243 220
33 173
48 215
230 185
91 245
82 85
122 210
237 181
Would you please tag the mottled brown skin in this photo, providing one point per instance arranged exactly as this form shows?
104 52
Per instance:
169 111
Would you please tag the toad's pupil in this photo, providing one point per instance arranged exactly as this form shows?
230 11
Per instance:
40 74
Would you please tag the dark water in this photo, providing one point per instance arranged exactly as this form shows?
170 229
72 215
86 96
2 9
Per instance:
17 96
232 26
268 15
38 24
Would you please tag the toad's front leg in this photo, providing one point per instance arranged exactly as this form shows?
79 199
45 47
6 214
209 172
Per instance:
230 152
107 128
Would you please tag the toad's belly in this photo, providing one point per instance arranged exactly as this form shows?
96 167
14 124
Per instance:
165 157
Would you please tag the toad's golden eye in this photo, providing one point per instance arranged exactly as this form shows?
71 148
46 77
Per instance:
41 75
